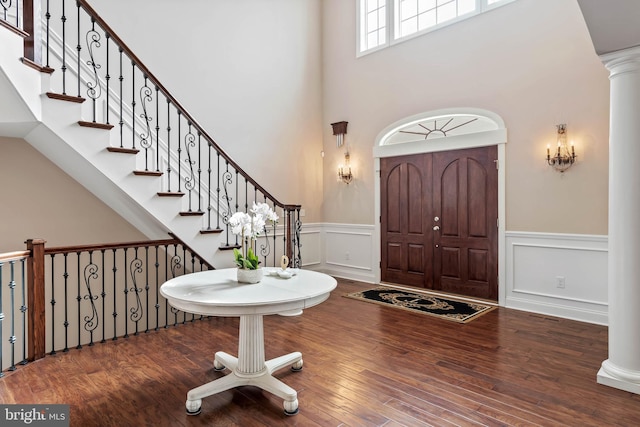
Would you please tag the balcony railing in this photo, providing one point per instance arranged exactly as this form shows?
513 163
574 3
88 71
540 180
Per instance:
57 299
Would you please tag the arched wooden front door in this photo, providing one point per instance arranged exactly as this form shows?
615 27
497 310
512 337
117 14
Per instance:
439 214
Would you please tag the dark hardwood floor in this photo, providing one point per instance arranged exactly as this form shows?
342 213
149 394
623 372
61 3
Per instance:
364 365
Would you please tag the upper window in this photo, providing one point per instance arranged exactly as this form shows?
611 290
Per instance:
384 22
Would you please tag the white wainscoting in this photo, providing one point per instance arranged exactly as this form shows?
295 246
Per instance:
536 262
533 264
342 250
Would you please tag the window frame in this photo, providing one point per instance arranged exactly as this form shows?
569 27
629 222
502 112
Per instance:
391 23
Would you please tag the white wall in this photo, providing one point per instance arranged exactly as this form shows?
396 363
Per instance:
249 71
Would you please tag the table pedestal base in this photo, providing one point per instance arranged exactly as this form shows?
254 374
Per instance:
249 368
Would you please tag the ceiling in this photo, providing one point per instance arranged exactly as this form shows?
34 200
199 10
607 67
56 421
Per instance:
613 24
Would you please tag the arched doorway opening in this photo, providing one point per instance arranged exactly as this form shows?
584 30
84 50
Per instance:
440 202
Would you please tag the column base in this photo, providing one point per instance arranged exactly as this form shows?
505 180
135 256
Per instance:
612 376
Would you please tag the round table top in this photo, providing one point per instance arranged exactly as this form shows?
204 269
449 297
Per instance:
218 293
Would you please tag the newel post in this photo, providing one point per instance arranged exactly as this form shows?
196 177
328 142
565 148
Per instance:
28 26
36 299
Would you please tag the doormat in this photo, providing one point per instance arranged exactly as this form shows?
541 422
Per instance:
424 303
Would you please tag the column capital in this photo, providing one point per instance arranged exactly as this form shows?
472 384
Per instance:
622 61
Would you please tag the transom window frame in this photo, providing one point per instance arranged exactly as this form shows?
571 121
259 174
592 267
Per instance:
381 20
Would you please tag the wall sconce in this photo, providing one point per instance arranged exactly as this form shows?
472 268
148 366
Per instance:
344 171
563 157
339 130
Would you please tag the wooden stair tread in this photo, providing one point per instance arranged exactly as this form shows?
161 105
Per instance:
13 29
68 98
123 150
211 231
96 125
229 247
148 173
35 66
170 194
192 213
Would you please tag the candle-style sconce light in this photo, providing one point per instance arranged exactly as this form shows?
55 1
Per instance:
344 171
564 155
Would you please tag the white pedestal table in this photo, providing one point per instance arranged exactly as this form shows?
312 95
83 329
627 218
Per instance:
217 293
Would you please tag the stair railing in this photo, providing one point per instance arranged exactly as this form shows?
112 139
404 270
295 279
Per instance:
93 64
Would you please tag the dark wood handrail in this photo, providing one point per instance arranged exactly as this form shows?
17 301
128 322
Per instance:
105 246
122 45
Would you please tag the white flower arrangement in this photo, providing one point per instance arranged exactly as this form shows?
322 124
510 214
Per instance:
250 226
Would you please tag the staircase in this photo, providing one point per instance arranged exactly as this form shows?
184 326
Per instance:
90 106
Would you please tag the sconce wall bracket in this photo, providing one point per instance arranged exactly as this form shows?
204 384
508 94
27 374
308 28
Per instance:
339 130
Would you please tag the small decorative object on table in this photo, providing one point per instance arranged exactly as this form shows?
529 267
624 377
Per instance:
249 226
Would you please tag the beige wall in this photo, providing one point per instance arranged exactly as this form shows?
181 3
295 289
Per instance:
41 201
531 62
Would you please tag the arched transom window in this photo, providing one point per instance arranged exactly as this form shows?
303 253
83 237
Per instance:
439 126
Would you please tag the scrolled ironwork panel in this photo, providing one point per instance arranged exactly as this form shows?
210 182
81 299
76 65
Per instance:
94 88
91 321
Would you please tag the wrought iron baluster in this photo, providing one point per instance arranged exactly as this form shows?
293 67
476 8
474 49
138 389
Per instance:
78 298
227 179
179 152
157 305
12 337
189 181
218 192
133 105
48 19
91 322
146 139
199 172
23 310
121 95
107 78
176 264
66 303
157 129
126 294
166 276
103 294
246 196
64 50
94 90
115 295
209 207
146 286
168 145
53 306
78 47
6 4
135 268
237 194
296 241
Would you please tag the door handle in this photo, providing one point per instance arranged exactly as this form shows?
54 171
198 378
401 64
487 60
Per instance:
436 227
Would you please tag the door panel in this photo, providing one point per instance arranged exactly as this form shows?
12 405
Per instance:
468 181
439 221
406 237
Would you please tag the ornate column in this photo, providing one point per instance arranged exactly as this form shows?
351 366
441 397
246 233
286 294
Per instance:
622 368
